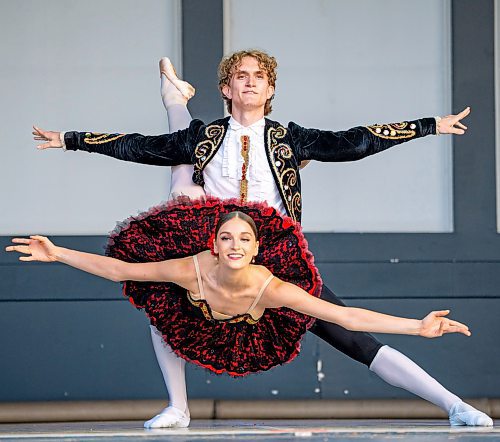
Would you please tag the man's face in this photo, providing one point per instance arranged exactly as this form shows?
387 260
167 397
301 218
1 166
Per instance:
249 87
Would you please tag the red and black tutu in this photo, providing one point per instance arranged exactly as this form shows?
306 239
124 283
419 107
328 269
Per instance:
175 230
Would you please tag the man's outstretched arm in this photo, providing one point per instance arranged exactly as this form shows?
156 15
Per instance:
161 150
360 142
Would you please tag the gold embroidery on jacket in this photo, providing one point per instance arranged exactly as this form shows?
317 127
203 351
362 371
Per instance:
281 153
393 131
97 138
206 149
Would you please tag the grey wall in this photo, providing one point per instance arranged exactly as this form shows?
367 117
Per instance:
350 64
93 65
66 335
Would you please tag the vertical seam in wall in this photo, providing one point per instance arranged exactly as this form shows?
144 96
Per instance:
226 26
202 35
447 106
496 56
226 33
177 37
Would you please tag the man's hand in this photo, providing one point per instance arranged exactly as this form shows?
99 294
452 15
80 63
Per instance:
53 138
435 324
451 124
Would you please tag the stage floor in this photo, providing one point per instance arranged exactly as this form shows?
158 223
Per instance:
258 430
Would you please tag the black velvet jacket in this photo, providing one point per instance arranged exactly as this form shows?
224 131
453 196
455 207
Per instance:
286 147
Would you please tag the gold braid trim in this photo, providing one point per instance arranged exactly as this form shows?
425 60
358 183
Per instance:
97 138
245 152
393 131
203 306
246 317
287 176
205 150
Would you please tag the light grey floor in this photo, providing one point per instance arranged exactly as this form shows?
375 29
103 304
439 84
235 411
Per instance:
268 430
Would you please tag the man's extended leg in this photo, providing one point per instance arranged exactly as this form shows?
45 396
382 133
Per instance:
395 368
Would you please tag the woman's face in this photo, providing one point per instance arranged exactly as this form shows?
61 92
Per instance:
236 244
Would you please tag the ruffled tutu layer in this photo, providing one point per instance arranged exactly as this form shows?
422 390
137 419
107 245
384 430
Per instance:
175 230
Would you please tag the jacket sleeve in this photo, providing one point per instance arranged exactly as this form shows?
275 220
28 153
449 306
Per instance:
159 150
358 142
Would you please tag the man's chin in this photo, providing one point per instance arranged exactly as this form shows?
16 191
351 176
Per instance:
252 105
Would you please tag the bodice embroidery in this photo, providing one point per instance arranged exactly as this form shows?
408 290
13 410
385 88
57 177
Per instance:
198 300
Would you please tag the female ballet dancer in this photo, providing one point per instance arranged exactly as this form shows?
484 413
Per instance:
216 307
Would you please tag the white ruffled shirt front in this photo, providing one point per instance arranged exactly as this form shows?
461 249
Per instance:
223 173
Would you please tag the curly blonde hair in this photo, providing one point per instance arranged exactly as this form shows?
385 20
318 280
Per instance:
230 63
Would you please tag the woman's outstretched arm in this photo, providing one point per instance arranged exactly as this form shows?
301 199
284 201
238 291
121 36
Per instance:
40 248
435 324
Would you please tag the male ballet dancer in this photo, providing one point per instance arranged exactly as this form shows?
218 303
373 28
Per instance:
247 83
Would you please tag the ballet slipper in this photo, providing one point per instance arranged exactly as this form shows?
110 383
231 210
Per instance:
167 69
464 414
170 417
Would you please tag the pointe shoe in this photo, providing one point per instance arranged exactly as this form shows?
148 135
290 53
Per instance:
170 417
167 69
464 414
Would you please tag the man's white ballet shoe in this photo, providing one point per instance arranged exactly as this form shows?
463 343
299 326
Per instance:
464 414
168 70
170 417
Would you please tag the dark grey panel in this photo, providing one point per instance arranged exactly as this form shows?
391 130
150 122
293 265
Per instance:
359 247
102 350
474 85
85 243
477 279
53 281
376 279
468 366
75 350
23 281
202 44
415 279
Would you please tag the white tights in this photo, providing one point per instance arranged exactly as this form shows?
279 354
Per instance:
179 118
172 367
173 370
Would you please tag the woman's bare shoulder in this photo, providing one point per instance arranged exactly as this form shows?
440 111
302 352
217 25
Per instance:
206 261
261 271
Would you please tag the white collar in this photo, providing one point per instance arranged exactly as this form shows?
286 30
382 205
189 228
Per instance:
255 127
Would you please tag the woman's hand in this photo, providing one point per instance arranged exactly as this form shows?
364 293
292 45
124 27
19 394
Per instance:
435 324
38 248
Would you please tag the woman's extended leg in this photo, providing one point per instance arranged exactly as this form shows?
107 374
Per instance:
173 371
175 95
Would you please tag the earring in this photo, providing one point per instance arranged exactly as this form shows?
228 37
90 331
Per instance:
216 257
253 260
